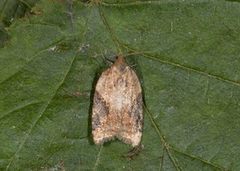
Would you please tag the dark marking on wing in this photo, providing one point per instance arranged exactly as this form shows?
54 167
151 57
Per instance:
101 109
136 112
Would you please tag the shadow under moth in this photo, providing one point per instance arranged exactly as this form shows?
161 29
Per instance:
118 105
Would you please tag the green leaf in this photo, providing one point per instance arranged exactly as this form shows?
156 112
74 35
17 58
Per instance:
186 54
12 9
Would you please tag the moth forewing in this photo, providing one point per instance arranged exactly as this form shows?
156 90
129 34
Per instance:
118 105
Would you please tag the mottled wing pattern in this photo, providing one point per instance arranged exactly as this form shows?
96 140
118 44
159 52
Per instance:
100 113
117 107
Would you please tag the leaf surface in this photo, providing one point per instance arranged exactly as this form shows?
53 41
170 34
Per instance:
186 54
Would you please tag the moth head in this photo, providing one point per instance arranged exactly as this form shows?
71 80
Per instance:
120 63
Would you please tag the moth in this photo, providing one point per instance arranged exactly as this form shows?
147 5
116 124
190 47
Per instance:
117 110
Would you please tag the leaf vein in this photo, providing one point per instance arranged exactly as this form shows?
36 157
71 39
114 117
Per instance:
164 142
217 77
40 116
198 158
168 147
32 59
98 158
113 37
131 3
22 106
